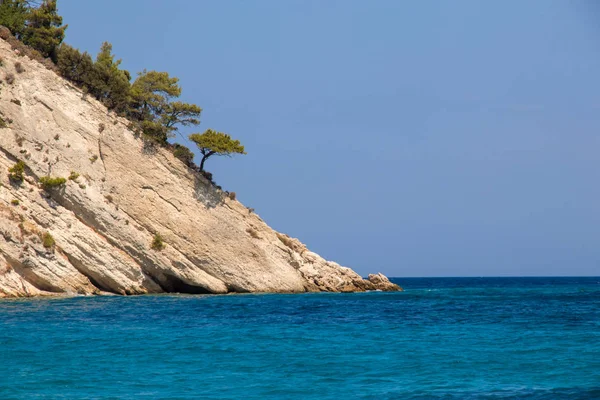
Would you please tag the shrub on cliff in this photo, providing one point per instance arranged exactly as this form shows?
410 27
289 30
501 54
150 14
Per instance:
48 182
16 172
9 78
47 240
184 154
208 176
73 176
216 143
157 242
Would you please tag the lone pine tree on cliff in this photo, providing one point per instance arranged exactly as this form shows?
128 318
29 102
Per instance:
212 143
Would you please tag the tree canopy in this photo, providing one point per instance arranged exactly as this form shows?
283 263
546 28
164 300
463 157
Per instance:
43 30
13 15
74 65
216 143
107 82
152 103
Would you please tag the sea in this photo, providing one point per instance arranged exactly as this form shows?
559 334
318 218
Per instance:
442 338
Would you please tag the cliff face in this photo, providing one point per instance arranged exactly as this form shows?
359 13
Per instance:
104 221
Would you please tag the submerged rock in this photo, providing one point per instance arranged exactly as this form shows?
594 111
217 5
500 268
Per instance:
121 193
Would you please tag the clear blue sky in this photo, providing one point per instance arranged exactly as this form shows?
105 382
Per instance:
421 138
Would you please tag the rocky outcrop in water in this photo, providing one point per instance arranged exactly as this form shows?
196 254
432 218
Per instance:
93 234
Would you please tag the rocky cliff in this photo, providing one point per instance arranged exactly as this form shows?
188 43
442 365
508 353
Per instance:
121 194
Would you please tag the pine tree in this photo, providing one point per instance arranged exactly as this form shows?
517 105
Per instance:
107 82
13 15
212 143
152 104
43 30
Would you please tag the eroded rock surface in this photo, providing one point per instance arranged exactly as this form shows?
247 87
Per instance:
103 221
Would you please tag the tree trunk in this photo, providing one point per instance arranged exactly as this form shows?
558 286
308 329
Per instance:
205 155
202 162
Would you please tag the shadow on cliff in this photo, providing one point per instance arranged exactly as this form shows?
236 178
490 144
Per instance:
205 190
206 193
149 147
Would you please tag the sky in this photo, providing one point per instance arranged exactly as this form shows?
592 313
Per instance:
422 138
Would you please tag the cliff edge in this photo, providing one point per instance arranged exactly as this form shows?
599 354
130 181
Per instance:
123 191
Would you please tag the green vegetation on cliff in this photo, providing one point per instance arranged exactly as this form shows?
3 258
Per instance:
216 143
150 102
16 172
49 182
44 30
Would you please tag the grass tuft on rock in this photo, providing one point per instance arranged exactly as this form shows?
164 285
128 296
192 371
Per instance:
48 241
157 243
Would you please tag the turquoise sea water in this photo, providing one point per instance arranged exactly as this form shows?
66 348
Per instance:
446 338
